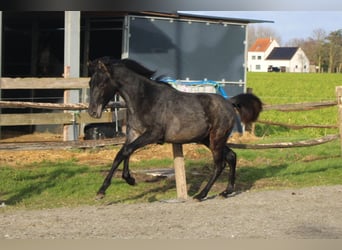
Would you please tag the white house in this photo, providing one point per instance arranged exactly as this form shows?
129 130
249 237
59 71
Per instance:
265 55
258 52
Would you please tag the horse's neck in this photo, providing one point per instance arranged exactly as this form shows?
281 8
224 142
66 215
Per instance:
130 90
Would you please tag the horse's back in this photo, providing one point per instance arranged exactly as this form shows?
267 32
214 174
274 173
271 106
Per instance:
191 116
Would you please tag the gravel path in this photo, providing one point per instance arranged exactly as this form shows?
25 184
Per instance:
310 213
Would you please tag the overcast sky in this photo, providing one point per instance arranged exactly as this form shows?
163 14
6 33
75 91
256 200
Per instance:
290 24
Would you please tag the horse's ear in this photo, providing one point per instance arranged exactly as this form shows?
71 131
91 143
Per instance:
102 66
89 64
91 67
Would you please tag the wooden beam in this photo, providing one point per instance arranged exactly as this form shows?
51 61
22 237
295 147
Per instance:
34 119
178 162
43 105
339 104
106 117
55 106
56 118
44 83
299 106
61 144
293 126
306 143
72 31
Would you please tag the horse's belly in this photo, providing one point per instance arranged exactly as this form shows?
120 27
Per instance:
186 133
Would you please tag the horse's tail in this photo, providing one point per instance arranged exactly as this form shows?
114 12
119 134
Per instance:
249 107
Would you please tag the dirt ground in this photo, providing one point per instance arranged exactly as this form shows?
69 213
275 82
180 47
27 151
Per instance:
100 156
310 213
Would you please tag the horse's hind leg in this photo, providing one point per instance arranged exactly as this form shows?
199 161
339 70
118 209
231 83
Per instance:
126 175
219 167
230 157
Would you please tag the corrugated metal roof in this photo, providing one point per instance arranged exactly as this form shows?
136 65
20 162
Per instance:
224 19
186 15
282 53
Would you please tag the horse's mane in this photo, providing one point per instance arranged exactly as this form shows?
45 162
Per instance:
129 63
134 66
138 68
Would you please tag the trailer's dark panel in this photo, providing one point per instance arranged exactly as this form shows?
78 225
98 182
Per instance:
188 49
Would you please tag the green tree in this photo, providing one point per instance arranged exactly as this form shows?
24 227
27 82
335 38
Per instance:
334 42
317 39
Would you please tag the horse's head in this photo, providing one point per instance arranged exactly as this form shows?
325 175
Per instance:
101 87
104 83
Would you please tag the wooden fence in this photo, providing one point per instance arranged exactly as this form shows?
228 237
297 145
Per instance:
74 115
72 112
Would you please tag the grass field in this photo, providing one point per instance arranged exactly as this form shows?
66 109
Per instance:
280 88
71 183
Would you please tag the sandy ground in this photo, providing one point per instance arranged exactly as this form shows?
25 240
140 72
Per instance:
310 213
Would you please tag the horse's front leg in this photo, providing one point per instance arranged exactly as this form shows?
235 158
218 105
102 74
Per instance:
123 155
106 183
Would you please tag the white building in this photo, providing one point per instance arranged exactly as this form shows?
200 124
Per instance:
265 55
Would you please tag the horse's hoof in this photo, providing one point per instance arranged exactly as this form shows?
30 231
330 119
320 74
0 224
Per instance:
198 198
99 196
226 193
130 181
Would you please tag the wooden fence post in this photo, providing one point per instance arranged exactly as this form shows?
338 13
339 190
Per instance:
339 105
250 127
72 45
178 162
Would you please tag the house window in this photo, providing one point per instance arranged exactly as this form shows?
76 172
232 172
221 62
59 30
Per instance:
259 57
257 67
253 57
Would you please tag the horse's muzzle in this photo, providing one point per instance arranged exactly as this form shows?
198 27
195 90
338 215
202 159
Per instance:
95 112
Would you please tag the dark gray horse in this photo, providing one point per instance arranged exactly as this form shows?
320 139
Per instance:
158 113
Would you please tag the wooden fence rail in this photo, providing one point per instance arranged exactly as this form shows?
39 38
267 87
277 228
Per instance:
57 118
293 126
44 83
299 106
55 106
306 143
68 118
65 118
82 117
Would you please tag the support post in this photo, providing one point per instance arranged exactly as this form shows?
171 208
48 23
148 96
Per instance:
71 64
178 161
339 105
250 127
0 64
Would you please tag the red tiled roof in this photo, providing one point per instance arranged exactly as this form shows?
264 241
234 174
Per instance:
261 44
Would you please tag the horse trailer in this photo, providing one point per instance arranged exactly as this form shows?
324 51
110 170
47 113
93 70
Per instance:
185 47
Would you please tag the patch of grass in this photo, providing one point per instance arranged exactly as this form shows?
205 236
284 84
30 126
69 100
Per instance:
55 183
285 168
68 183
